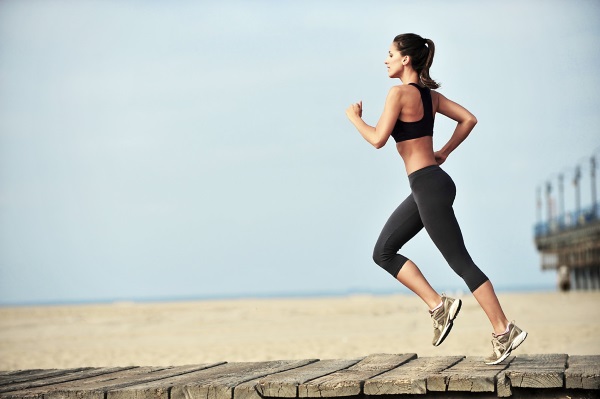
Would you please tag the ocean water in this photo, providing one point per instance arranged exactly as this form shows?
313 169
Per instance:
455 290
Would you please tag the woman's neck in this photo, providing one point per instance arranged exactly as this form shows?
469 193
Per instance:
409 75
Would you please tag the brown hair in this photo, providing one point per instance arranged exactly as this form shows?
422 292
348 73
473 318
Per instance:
421 53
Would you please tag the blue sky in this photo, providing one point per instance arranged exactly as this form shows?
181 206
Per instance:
185 149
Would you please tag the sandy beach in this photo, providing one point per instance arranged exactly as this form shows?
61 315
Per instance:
177 333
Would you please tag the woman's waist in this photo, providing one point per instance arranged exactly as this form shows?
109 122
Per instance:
415 166
423 171
416 162
431 176
416 154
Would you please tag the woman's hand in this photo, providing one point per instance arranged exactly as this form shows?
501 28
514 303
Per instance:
440 157
355 110
466 121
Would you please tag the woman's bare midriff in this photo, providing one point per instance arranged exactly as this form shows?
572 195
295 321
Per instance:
416 153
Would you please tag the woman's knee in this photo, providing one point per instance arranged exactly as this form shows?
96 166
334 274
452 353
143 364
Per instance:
378 255
389 261
470 273
384 257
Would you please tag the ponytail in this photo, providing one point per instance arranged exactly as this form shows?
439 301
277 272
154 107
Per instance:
421 52
424 75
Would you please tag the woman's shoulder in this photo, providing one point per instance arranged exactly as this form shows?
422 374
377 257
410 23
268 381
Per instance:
437 94
435 99
400 90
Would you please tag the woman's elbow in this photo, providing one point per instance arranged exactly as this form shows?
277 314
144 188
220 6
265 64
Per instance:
468 122
380 140
379 144
472 120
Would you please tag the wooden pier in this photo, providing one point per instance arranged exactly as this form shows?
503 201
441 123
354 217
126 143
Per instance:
380 376
576 249
569 242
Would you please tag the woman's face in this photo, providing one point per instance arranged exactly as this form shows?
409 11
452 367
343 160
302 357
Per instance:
394 61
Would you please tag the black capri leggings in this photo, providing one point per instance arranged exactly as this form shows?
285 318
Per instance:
430 206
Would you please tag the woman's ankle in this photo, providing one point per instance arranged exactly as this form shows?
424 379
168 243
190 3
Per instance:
501 328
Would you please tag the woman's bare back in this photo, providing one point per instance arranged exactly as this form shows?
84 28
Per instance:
416 153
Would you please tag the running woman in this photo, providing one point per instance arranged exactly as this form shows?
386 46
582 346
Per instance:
408 117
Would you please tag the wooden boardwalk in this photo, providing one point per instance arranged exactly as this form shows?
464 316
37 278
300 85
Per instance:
378 375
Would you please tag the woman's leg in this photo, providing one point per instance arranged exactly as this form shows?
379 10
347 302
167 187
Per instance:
413 279
402 225
434 194
488 301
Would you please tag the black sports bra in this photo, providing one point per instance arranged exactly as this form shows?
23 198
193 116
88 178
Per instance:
412 130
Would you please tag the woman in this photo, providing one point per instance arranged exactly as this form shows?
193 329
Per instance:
408 117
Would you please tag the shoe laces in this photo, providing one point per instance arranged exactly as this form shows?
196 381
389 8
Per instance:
436 323
497 346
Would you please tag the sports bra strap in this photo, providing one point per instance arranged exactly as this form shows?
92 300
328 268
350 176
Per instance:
424 127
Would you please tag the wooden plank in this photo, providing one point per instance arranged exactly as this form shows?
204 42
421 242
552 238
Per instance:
14 372
537 371
220 383
97 390
503 387
285 384
82 384
248 390
409 378
30 375
350 381
469 375
8 375
9 372
158 389
40 385
583 372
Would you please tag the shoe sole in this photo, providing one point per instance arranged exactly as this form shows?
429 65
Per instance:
454 309
514 345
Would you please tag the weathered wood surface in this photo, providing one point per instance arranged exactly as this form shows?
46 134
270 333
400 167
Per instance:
583 372
127 378
374 375
95 387
410 377
285 385
503 387
13 377
538 371
54 380
349 382
469 375
159 389
248 389
224 379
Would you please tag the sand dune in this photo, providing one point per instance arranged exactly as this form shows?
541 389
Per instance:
178 333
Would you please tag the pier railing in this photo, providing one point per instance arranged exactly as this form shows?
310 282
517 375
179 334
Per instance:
568 221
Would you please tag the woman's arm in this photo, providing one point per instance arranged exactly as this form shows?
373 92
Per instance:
378 135
466 123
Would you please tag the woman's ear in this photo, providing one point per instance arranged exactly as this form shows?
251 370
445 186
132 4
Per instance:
405 60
